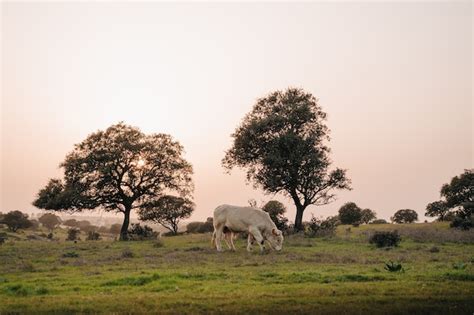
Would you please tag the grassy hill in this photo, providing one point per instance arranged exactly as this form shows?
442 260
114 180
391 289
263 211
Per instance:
182 274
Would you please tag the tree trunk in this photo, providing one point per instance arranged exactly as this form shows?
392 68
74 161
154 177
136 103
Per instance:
126 222
299 218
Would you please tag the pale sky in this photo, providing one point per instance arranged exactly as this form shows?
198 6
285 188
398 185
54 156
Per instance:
394 78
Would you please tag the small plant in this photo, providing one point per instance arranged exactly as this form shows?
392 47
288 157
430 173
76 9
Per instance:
158 243
93 236
3 238
140 233
72 234
50 236
71 254
127 253
385 239
459 266
434 249
393 267
318 227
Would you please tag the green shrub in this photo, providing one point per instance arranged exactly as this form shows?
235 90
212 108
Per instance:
379 221
393 267
70 254
318 227
140 233
127 253
385 239
3 238
72 234
93 236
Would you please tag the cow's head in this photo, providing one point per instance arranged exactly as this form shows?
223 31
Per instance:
275 238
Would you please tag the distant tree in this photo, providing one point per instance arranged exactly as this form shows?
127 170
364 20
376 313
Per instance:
167 211
104 229
73 234
405 216
34 224
367 216
89 228
276 210
200 227
119 169
457 198
282 144
83 225
16 220
50 221
115 228
70 222
350 213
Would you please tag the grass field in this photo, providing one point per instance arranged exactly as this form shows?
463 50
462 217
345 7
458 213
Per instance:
340 275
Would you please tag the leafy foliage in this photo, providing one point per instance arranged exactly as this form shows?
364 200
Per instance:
73 234
167 211
49 220
276 210
200 227
378 221
281 144
367 216
93 236
350 213
140 233
118 169
405 216
16 220
318 227
385 239
458 199
393 267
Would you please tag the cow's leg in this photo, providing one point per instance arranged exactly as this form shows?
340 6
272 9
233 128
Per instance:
258 237
228 239
219 230
250 241
232 237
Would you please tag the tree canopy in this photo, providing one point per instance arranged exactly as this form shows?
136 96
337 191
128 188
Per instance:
276 210
168 211
49 220
16 220
457 197
405 216
119 169
350 213
282 145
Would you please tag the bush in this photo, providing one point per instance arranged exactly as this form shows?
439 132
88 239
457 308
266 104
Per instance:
72 234
3 238
462 223
93 236
318 227
70 254
200 227
127 253
393 267
379 221
115 229
50 236
140 233
385 239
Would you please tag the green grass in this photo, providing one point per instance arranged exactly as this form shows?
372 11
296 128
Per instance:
344 274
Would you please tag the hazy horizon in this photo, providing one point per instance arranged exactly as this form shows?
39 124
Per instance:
394 78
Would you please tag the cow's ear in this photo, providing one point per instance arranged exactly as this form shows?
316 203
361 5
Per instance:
275 232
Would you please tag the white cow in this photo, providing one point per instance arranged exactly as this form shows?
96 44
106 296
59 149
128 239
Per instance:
230 220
